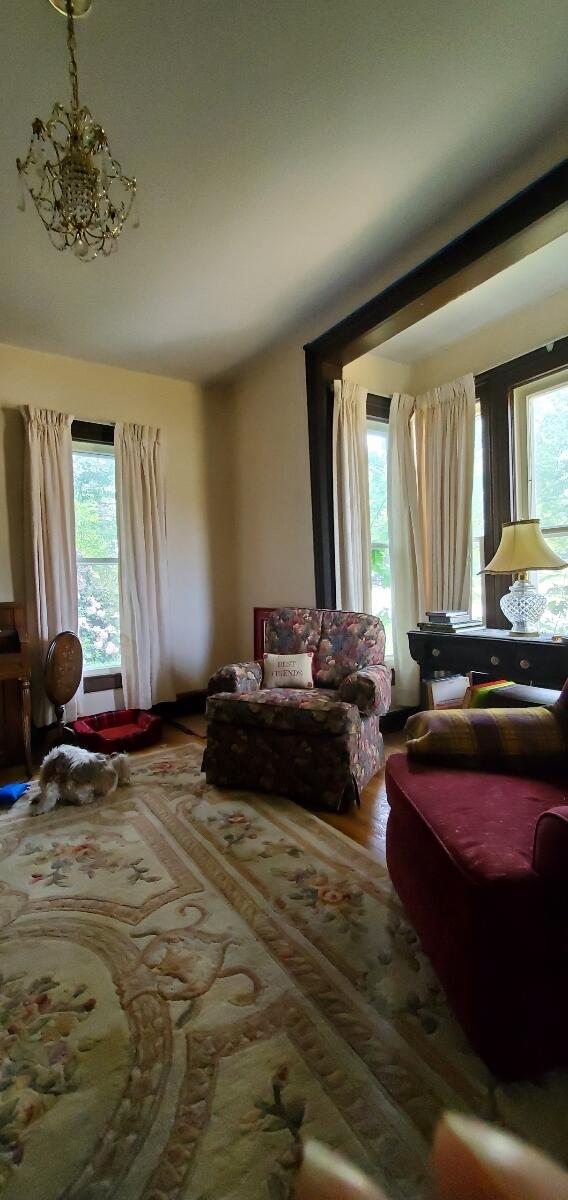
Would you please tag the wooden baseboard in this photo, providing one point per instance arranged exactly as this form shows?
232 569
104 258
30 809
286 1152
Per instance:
395 719
194 702
185 703
110 682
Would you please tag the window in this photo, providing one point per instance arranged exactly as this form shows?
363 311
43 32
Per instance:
540 412
377 444
97 556
477 524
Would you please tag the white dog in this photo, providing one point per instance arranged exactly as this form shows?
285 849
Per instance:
69 773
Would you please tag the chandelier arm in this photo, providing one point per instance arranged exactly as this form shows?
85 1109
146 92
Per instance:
72 48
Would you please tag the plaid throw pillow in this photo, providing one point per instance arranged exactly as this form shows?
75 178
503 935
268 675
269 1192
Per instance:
531 740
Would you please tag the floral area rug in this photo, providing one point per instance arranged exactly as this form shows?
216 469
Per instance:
193 981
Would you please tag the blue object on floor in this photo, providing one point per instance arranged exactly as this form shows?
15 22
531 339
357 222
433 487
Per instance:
12 792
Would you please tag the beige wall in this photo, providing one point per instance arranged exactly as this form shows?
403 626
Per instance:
274 537
382 376
496 343
198 435
274 519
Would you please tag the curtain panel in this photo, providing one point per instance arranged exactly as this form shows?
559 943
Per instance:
351 498
445 432
147 674
430 483
49 539
405 544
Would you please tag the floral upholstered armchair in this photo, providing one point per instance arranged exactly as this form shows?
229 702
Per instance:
321 744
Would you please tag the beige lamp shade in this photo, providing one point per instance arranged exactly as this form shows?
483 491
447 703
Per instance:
523 548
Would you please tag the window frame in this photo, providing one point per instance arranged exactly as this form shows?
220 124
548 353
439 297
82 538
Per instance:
523 472
99 438
495 390
480 537
378 413
524 506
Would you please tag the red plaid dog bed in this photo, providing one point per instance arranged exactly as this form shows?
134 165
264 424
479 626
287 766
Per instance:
126 729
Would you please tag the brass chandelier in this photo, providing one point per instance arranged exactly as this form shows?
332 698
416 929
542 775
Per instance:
79 190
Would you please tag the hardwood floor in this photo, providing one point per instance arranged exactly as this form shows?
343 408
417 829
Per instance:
365 825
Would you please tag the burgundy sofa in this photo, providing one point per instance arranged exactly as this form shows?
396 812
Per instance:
480 862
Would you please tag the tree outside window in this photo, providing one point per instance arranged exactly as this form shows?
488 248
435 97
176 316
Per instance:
97 557
377 444
541 464
477 524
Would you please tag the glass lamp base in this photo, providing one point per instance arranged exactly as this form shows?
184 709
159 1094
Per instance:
523 607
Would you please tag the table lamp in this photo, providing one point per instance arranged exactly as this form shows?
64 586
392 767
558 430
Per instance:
522 549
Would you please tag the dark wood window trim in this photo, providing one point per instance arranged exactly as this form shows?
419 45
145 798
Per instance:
528 220
94 431
102 683
319 380
494 390
378 407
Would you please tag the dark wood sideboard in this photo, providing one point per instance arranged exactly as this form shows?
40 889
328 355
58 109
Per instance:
15 702
538 661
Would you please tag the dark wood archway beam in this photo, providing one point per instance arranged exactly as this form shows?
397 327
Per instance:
531 219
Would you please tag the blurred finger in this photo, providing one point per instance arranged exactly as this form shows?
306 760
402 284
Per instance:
325 1176
474 1161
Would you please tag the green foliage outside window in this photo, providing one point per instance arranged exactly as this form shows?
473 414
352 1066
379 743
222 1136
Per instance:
550 496
97 558
380 564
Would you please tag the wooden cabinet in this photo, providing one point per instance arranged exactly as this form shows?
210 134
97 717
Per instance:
537 661
15 682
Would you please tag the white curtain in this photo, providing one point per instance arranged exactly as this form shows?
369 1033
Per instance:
430 482
351 498
405 545
445 432
147 675
51 572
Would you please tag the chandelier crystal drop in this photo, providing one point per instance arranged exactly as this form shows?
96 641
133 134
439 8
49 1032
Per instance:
80 191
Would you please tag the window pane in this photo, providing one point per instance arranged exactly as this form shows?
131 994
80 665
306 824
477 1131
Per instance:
477 519
95 505
96 538
377 453
99 626
377 442
554 585
477 523
381 591
549 411
476 581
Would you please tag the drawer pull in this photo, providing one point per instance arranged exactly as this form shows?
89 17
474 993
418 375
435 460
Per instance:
525 664
494 660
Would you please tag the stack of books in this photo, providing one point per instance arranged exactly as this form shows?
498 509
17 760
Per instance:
449 621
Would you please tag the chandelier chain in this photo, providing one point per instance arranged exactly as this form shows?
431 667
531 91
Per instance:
72 48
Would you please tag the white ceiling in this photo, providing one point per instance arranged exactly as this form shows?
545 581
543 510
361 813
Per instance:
526 284
284 149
